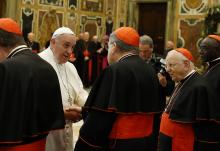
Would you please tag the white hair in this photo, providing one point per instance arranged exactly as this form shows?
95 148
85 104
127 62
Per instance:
180 56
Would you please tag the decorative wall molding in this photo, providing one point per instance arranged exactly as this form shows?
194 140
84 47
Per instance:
71 13
191 7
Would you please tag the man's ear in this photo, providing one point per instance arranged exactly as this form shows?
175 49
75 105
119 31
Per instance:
186 63
114 43
115 47
52 42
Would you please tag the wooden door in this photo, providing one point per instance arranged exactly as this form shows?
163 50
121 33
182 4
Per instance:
152 21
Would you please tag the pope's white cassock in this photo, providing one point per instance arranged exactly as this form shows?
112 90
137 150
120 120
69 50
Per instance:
71 87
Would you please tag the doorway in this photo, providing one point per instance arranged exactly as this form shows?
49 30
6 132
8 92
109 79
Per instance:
152 22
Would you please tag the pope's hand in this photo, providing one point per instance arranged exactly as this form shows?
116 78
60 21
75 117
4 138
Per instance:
73 113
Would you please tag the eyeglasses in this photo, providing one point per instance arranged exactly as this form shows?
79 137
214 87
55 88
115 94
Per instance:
172 65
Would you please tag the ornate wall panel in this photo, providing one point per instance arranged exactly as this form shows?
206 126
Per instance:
96 16
122 13
72 20
91 24
27 20
193 7
92 5
48 21
189 23
186 39
51 2
110 16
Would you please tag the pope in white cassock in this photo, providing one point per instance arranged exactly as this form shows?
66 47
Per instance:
73 94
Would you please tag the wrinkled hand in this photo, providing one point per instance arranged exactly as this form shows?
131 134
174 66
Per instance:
73 113
162 80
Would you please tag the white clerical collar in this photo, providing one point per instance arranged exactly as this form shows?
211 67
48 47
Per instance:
16 48
213 61
54 57
126 55
191 72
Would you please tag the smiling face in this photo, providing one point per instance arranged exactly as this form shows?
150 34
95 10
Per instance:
62 47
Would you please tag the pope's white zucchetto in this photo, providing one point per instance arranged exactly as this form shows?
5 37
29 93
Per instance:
61 31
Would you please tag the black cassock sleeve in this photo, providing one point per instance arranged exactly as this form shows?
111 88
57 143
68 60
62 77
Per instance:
95 131
1 84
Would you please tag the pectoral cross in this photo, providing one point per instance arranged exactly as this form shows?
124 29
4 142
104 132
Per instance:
70 101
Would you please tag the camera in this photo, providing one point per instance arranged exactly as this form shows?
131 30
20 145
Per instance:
162 70
159 65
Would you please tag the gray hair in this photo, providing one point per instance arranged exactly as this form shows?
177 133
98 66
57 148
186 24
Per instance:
122 45
146 40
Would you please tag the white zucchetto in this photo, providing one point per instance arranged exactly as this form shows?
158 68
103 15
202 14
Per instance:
61 31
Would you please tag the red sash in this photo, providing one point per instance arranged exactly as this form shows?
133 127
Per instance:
182 133
35 146
132 126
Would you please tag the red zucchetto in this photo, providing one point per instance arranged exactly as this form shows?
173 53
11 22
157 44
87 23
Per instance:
128 35
216 37
9 25
185 53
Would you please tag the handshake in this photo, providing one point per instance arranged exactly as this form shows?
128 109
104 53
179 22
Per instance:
73 113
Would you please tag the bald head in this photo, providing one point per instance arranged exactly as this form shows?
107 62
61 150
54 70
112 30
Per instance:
95 38
31 37
86 36
169 45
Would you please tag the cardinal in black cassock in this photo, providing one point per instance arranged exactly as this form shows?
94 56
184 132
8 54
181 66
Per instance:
208 130
187 105
121 106
30 98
